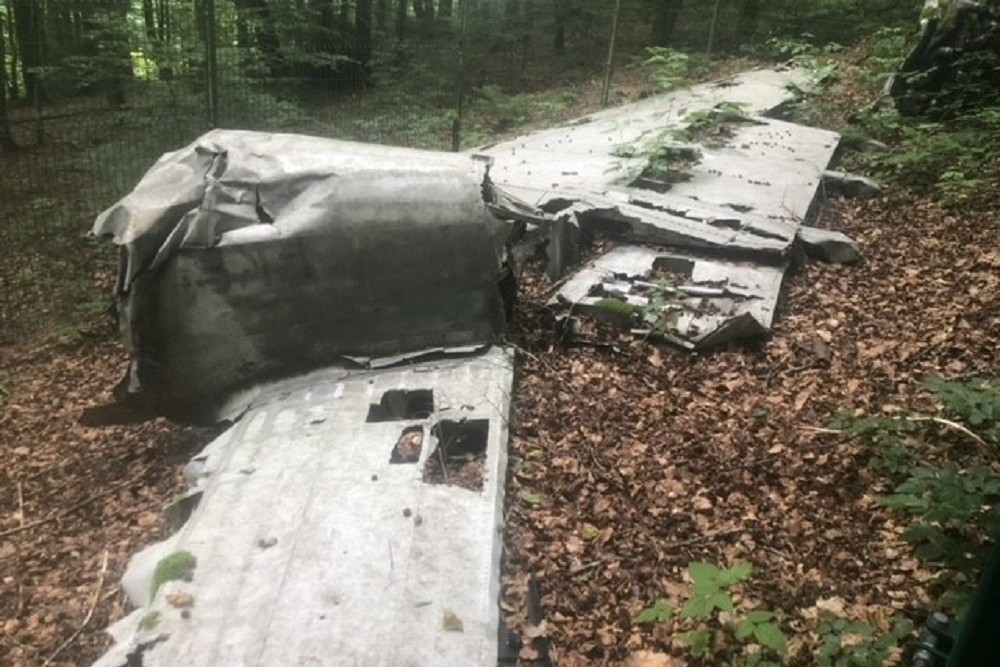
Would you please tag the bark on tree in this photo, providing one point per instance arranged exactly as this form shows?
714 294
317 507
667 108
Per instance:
15 88
265 34
665 15
746 23
28 26
363 31
445 9
149 19
400 18
381 14
6 135
560 12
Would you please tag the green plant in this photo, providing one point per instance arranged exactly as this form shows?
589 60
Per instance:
714 126
669 68
710 595
953 508
177 566
846 643
975 402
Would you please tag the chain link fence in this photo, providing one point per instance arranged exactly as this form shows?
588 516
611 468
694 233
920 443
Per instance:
95 90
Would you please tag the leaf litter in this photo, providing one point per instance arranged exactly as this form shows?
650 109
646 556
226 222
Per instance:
628 461
724 457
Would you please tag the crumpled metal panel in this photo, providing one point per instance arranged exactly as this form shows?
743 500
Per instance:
313 546
693 302
249 255
724 206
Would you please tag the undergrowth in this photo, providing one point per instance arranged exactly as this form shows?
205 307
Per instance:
944 472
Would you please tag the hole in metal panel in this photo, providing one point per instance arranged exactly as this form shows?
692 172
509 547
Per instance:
460 456
408 446
402 405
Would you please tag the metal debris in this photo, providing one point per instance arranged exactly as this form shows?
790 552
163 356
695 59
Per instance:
249 256
701 174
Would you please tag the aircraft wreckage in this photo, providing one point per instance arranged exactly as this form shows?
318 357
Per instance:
345 306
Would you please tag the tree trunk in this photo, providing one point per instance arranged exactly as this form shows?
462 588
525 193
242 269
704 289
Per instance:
560 10
363 30
265 35
746 23
445 9
344 17
400 18
149 18
6 136
30 36
12 81
163 20
665 15
381 14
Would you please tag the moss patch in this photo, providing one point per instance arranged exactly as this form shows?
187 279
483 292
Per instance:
176 566
149 621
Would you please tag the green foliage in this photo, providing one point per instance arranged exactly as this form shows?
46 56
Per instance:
950 508
671 69
661 611
712 126
760 625
953 507
797 48
179 565
855 644
710 588
976 402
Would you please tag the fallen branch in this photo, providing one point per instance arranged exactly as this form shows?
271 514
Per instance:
937 420
86 619
69 510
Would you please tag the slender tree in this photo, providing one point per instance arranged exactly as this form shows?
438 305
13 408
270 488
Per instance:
401 18
665 15
363 32
6 135
28 27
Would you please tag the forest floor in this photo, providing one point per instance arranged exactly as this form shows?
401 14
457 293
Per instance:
629 460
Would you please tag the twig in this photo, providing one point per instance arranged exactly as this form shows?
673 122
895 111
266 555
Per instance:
953 425
818 429
937 420
20 506
90 613
702 538
67 511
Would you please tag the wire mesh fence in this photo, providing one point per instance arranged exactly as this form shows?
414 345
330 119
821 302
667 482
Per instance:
95 90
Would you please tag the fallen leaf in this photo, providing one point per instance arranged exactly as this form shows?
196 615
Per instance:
450 622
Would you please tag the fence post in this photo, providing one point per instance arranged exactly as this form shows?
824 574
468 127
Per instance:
212 63
456 125
606 91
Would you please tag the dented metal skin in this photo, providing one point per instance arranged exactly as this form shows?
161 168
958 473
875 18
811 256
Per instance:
249 255
728 204
316 545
